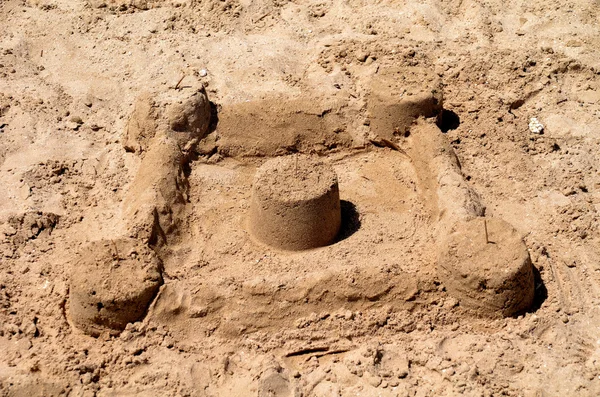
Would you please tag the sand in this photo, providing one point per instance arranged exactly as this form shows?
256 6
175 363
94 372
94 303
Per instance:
295 204
142 125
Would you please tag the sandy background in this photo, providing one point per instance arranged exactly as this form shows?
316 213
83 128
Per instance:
366 316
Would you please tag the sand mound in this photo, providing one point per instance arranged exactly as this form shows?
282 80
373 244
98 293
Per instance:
183 115
485 264
112 284
448 197
295 203
399 96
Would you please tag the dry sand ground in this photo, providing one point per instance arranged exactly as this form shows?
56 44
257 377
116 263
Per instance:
368 315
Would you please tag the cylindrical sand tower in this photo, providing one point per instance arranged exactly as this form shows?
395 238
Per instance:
113 283
485 264
295 203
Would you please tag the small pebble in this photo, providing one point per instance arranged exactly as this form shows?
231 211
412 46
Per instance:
373 380
535 126
76 119
203 73
72 125
362 56
86 378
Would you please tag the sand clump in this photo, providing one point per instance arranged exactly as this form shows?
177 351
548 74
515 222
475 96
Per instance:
182 115
485 264
163 128
295 203
399 95
112 285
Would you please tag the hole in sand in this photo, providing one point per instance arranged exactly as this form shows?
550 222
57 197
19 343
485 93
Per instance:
350 220
541 292
448 120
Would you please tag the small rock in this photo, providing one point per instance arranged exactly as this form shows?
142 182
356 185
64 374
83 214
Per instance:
449 372
31 330
348 315
373 380
462 368
450 302
535 126
76 119
73 126
86 378
203 73
433 363
362 56
473 373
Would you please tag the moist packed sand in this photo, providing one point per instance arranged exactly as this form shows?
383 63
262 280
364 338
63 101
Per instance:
144 123
485 264
295 203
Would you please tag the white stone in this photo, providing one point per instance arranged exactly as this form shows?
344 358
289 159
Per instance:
535 126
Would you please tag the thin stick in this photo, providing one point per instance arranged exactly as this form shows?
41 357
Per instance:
262 17
179 82
487 240
116 254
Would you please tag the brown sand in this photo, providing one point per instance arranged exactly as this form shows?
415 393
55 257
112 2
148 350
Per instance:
112 285
422 110
485 264
295 203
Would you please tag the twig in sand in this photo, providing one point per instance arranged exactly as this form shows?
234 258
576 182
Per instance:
487 240
382 142
179 82
262 17
116 254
